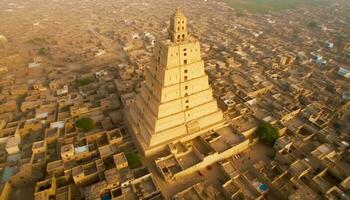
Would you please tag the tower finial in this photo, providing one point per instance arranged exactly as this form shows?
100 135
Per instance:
178 27
178 12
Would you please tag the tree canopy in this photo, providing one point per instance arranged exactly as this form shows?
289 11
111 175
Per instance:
85 124
312 24
84 81
42 51
267 133
133 160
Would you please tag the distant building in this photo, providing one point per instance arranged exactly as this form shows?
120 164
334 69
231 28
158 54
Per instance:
3 69
151 39
318 58
63 90
34 65
120 161
3 38
286 59
329 44
344 72
100 73
12 145
135 36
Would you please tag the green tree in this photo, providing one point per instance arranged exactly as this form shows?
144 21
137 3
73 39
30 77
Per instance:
133 160
42 51
267 133
85 124
84 81
312 24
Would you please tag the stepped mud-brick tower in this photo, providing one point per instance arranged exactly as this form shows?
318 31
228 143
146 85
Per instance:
176 102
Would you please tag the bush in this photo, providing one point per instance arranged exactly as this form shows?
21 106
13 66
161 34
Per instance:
85 124
267 133
85 81
42 51
312 24
133 160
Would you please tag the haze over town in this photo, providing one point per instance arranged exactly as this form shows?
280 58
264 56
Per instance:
174 99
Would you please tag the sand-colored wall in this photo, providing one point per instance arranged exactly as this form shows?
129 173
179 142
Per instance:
6 191
212 159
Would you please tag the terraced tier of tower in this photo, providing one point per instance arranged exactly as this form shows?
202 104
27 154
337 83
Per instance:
176 100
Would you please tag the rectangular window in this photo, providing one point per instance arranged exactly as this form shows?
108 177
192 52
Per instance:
185 78
185 61
185 71
186 87
185 54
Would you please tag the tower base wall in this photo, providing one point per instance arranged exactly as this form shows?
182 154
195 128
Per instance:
149 150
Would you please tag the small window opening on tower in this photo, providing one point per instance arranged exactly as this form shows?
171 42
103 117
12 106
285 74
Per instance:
185 61
185 71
